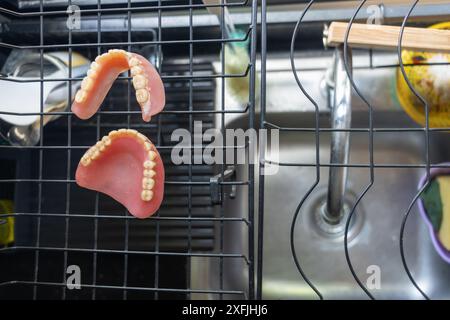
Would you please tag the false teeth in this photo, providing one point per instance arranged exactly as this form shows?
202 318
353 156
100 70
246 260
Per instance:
148 174
149 89
120 166
146 195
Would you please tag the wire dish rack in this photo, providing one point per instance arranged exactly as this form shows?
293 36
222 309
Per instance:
369 133
57 224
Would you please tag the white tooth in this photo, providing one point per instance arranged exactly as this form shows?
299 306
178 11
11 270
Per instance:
149 173
142 137
122 130
141 95
92 74
133 62
87 84
113 133
106 140
149 164
146 195
88 153
95 154
85 161
100 146
132 132
94 66
80 96
101 57
148 183
152 155
136 70
139 82
147 146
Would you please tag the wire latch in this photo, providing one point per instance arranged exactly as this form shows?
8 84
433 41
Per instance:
216 186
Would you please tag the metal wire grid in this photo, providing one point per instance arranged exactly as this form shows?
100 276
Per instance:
317 130
124 118
190 78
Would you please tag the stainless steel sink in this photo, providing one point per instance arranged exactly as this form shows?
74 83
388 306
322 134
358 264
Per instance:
378 217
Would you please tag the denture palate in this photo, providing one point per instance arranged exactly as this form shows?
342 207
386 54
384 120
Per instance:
149 89
126 166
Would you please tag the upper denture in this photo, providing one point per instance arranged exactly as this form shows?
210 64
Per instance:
101 75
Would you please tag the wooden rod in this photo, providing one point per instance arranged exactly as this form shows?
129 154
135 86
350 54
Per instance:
386 37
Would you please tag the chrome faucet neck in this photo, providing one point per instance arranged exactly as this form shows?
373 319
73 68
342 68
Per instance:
341 114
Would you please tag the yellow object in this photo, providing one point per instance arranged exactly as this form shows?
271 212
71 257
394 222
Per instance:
432 82
7 223
444 231
77 59
236 64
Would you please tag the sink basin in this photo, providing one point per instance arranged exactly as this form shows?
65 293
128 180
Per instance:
374 246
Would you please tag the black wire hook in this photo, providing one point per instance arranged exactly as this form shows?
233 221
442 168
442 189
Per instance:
317 134
427 148
366 189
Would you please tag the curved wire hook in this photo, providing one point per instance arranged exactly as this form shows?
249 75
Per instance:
427 135
308 193
352 212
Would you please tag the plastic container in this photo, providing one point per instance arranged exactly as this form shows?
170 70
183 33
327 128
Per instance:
443 252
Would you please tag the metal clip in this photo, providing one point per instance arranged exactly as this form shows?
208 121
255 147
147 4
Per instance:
216 187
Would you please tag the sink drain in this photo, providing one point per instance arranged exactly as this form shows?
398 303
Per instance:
316 219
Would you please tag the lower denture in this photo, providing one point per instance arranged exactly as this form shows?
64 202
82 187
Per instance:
126 166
